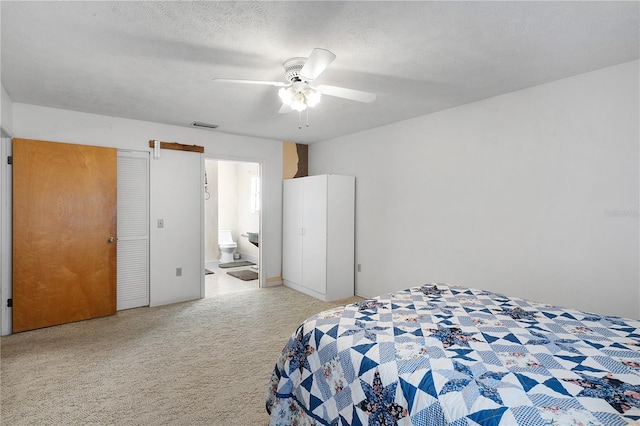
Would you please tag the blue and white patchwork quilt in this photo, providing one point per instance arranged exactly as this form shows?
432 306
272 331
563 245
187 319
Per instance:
444 355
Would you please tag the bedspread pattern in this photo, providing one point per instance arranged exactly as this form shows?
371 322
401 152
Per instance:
442 355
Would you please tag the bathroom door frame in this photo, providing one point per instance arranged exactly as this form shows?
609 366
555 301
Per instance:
236 159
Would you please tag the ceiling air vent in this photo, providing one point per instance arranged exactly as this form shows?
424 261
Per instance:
202 125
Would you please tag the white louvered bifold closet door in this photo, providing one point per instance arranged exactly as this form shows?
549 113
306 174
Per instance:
133 229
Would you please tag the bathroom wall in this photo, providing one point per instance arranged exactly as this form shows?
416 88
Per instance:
228 198
234 212
247 221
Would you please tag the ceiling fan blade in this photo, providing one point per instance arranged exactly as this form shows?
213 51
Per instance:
285 109
258 82
341 92
318 61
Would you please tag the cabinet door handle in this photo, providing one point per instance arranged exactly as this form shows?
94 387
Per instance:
301 231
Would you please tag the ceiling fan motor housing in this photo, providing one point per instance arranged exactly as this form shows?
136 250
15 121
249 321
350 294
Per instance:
292 68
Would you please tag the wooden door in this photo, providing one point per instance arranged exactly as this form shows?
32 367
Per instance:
64 229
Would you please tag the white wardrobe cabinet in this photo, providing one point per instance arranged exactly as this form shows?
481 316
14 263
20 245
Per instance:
318 235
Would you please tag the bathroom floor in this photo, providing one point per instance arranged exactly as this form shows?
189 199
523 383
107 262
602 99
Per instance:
221 283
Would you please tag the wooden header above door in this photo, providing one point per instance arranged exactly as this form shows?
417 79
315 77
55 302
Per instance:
178 146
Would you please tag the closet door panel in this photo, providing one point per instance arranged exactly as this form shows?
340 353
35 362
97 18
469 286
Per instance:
314 250
133 229
292 230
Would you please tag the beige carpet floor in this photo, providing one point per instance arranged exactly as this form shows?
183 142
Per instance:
206 362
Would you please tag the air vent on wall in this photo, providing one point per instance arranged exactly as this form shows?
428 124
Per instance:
202 125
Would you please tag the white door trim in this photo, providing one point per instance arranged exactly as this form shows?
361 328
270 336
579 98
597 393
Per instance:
6 207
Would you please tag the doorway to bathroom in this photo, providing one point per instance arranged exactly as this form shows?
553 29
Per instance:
232 221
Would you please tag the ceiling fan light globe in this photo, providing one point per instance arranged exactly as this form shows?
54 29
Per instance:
298 106
286 95
313 98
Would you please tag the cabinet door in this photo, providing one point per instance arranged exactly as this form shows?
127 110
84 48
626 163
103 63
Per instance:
292 204
314 223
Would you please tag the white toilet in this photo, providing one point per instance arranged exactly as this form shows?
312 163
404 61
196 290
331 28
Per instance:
227 245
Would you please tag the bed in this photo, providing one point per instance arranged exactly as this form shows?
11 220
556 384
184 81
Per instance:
446 355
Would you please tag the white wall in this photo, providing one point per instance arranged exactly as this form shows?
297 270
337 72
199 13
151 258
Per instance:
533 194
177 187
6 112
6 126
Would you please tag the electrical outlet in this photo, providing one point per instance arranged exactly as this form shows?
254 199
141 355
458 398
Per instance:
160 223
359 268
178 272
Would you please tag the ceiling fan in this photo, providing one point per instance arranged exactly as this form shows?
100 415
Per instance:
297 93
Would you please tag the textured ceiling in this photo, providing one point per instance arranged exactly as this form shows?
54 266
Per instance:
155 61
